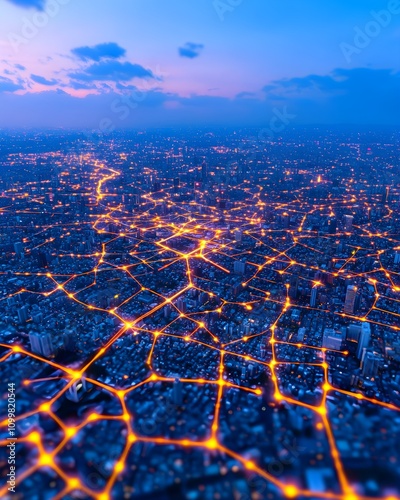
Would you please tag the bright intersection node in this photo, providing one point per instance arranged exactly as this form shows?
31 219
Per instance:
73 483
45 407
290 491
45 460
212 444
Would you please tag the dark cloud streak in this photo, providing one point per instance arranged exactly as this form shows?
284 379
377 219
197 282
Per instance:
43 81
98 52
190 50
7 85
111 71
26 4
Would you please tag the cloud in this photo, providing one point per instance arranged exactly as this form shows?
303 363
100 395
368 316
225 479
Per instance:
37 4
7 85
190 50
358 96
81 86
19 66
358 80
42 81
112 71
243 95
109 50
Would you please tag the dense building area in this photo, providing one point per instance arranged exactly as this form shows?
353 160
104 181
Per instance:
203 316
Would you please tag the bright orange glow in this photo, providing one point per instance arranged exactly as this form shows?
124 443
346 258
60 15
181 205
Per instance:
290 491
34 437
261 335
212 444
45 460
73 483
69 432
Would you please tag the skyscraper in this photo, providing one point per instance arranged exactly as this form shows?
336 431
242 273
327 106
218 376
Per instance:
353 332
369 363
332 225
42 259
239 267
363 341
238 235
23 314
348 223
332 339
41 343
350 299
19 248
177 395
69 340
204 172
176 184
294 286
386 195
314 293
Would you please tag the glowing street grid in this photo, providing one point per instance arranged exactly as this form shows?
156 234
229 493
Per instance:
203 331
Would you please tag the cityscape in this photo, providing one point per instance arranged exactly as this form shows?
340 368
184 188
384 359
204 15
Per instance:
203 317
199 250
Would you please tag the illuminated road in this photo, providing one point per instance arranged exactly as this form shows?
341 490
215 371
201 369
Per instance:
199 230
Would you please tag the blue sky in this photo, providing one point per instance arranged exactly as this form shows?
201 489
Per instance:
202 62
